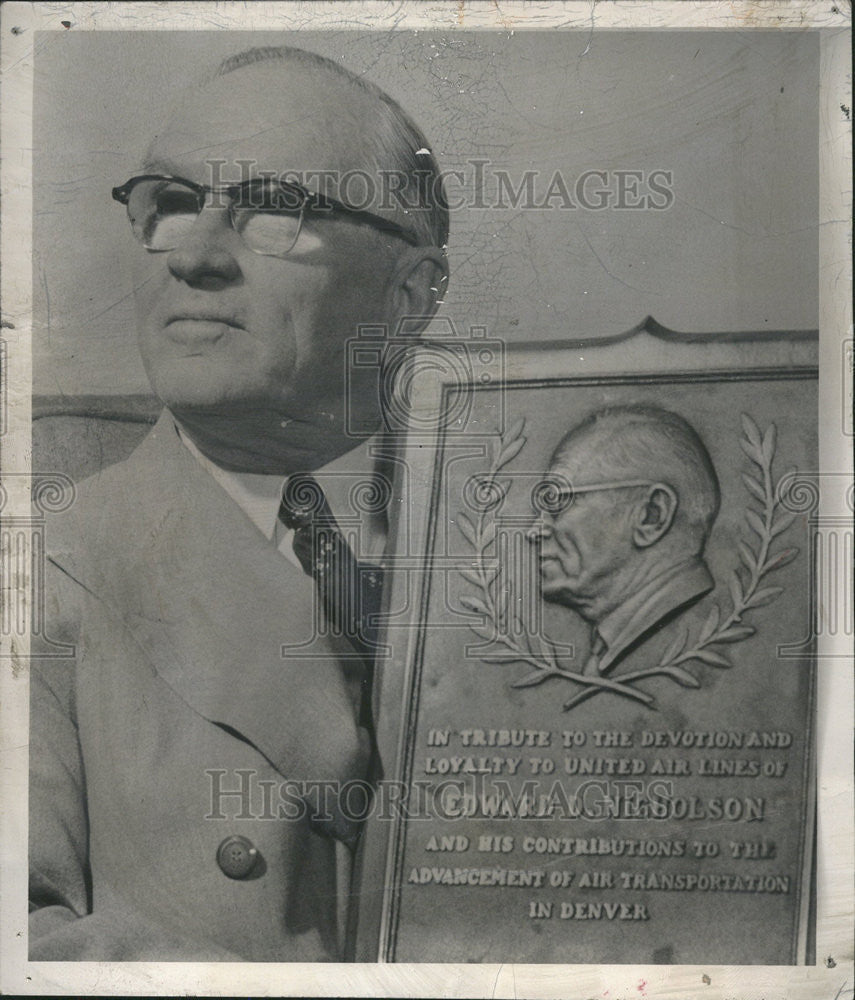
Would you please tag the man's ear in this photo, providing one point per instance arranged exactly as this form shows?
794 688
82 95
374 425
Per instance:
654 515
418 286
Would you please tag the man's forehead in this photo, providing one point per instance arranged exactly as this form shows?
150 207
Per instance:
277 116
572 453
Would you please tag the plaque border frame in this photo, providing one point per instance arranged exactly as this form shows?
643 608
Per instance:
432 395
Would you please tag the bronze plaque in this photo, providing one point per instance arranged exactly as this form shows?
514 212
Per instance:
596 726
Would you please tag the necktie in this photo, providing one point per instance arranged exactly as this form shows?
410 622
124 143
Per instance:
598 647
349 591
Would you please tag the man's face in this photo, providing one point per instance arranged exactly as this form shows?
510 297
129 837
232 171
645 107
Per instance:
583 549
223 329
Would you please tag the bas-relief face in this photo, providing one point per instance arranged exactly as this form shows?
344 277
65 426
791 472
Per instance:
224 329
583 549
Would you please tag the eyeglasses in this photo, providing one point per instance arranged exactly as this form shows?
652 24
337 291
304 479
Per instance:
267 213
553 497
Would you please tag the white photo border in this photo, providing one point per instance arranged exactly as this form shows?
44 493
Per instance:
832 976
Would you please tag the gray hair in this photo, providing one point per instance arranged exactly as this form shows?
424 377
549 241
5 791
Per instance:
648 442
398 137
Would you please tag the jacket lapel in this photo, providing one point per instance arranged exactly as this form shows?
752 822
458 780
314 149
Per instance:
225 620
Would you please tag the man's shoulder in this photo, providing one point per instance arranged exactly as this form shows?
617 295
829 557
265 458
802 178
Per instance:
664 634
112 507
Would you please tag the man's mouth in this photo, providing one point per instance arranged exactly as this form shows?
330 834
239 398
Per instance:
198 328
205 316
544 562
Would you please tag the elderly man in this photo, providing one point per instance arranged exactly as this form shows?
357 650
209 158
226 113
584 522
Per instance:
186 578
630 500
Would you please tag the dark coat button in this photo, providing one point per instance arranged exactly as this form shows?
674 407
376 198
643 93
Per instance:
237 857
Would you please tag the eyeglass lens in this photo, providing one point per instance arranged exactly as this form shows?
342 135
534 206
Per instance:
553 497
267 216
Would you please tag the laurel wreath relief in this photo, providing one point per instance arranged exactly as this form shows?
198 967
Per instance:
501 624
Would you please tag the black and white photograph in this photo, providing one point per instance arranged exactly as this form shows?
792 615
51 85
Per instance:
426 519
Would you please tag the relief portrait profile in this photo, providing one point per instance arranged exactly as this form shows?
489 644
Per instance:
622 543
638 556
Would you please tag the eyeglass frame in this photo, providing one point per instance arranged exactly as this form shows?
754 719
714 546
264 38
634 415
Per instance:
572 491
314 201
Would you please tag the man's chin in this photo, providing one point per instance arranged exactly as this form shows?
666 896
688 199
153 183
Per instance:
554 592
189 386
253 436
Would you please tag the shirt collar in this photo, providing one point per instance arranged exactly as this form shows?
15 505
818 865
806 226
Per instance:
256 494
345 481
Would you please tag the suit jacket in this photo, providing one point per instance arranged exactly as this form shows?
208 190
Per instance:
179 609
650 610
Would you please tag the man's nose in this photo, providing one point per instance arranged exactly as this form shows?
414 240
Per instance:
537 532
204 258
